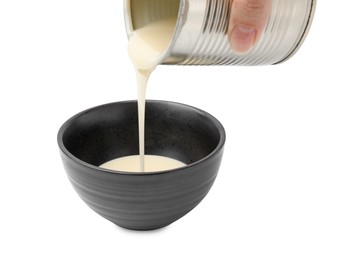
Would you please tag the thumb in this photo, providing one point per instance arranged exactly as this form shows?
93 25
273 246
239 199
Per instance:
247 21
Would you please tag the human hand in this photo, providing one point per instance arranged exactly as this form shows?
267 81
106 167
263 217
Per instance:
248 20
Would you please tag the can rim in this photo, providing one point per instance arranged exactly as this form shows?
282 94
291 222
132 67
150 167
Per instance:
303 35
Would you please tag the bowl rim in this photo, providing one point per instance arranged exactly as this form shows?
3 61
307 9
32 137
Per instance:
215 121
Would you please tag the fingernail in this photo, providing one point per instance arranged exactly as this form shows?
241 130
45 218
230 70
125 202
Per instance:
242 38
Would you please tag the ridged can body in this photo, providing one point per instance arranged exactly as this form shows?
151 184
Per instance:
201 32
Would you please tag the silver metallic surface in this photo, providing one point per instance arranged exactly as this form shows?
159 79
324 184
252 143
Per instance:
201 32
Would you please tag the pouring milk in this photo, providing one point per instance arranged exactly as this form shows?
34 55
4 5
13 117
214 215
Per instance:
145 48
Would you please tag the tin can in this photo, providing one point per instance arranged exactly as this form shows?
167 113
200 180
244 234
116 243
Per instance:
201 31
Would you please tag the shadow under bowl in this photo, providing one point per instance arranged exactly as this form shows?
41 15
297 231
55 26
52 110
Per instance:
142 201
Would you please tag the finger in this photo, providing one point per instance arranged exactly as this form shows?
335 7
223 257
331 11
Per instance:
247 21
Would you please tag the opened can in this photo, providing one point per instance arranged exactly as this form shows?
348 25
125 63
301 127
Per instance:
201 31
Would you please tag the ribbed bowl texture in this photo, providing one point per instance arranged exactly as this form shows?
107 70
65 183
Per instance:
142 201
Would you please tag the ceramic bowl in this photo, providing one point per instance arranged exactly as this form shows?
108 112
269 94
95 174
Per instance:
142 201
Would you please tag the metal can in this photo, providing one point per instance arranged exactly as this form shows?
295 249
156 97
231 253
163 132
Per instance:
201 31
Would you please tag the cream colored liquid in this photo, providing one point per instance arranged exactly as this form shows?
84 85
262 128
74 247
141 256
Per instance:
146 48
147 44
153 163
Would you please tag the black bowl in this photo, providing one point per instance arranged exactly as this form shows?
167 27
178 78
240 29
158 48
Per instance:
142 201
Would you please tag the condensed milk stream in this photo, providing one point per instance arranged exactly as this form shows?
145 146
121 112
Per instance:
146 48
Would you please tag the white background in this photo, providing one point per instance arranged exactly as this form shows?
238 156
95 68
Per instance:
284 188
